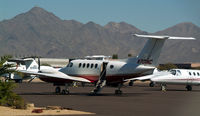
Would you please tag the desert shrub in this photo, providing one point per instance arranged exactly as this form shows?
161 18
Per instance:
8 97
115 56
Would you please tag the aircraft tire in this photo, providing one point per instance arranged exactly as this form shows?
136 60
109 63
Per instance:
118 92
18 81
189 87
151 84
57 90
65 92
130 83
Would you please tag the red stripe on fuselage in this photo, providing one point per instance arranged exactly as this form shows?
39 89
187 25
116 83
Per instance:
91 78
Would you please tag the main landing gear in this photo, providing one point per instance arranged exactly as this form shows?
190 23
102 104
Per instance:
163 87
130 83
64 91
151 84
118 91
189 87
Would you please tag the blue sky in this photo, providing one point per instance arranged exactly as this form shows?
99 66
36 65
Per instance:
147 15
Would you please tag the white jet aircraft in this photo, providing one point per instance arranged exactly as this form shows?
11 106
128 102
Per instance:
108 72
174 76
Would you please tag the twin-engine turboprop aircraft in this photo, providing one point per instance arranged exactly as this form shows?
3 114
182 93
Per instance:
108 72
24 64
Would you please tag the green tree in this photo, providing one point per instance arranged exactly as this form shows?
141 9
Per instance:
4 68
129 55
114 56
167 66
7 96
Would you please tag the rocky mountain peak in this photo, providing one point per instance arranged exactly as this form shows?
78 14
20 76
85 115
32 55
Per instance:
37 10
181 29
122 27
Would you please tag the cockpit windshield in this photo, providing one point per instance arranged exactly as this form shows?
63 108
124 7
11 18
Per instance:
175 72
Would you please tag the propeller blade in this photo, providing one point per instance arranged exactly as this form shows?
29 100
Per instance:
38 63
31 79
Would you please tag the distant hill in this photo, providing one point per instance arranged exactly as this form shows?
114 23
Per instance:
39 32
181 51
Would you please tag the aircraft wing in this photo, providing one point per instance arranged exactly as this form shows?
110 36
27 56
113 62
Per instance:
57 74
148 77
142 78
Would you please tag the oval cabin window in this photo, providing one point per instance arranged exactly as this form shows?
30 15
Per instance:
79 65
83 65
111 66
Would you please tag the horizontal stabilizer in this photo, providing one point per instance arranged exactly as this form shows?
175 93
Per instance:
163 37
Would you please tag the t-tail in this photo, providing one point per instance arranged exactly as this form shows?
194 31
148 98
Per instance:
152 49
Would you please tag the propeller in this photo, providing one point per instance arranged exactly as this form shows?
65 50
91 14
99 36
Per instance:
38 71
38 63
31 79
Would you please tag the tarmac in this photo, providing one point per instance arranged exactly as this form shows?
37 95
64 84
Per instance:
136 100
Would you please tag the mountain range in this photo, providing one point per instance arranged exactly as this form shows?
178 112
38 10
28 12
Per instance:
39 32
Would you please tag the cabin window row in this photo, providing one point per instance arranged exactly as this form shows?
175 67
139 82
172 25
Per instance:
194 73
87 65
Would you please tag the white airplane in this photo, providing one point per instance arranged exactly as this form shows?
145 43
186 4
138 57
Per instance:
24 64
108 72
174 76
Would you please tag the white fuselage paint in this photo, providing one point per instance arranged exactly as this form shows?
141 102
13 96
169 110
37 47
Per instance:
116 70
181 76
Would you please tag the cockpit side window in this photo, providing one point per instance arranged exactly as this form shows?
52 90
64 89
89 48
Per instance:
178 72
71 64
173 72
190 73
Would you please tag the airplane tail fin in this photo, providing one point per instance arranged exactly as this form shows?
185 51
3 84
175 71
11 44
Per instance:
152 49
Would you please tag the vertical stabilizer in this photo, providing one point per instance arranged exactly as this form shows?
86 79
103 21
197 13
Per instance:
151 52
152 49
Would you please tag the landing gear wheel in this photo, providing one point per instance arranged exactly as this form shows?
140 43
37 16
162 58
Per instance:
151 84
189 87
130 83
118 92
163 87
6 80
18 81
65 92
57 90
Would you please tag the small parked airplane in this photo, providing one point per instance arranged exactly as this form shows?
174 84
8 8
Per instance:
24 64
173 76
108 72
